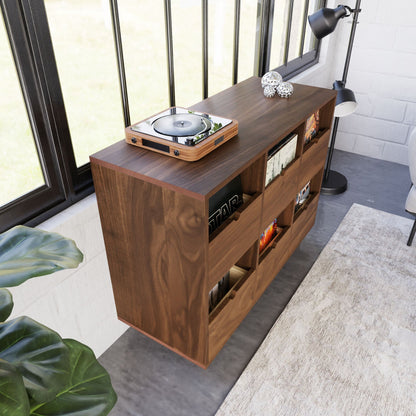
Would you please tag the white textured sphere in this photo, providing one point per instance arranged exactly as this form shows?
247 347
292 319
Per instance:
271 78
269 91
285 89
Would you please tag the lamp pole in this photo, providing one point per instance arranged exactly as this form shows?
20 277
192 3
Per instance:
351 41
335 183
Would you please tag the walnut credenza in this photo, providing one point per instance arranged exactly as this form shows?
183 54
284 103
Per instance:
154 215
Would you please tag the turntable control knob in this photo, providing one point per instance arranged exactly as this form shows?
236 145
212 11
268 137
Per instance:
133 140
176 152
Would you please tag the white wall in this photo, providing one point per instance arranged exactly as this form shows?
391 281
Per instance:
77 303
382 74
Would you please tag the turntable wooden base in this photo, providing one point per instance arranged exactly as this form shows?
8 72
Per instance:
181 151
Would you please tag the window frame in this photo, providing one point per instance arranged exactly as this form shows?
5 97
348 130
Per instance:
264 43
27 29
28 32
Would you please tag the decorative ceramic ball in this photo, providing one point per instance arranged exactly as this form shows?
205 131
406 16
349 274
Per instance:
284 89
271 78
269 91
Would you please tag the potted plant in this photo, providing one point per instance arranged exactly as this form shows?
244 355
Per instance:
41 373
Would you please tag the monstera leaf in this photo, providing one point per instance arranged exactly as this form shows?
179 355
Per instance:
38 354
41 374
88 391
13 398
6 304
28 252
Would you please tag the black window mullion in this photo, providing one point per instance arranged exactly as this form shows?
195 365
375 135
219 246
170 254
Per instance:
288 31
120 61
169 52
53 102
204 49
304 21
265 11
236 40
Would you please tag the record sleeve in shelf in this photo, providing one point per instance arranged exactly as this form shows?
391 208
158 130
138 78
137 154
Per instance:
311 127
224 203
280 156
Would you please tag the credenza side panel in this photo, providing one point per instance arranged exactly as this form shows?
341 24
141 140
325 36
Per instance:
155 247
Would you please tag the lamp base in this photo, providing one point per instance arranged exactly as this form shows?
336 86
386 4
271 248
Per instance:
335 184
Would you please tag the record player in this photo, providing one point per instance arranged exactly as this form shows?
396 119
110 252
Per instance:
181 133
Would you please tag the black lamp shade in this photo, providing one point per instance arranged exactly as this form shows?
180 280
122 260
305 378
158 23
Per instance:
324 21
346 103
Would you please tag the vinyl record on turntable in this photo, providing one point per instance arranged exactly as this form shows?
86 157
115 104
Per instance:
182 125
181 133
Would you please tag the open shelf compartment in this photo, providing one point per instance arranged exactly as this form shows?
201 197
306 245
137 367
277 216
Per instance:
321 132
281 223
282 156
247 200
302 202
231 283
318 128
248 186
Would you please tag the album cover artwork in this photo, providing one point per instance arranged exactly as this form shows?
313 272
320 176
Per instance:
273 163
312 127
288 151
280 156
225 202
268 234
302 196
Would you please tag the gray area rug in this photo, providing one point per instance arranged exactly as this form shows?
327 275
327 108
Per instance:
346 342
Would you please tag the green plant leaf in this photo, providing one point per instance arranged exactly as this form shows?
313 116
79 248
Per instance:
6 304
38 353
89 391
28 252
13 397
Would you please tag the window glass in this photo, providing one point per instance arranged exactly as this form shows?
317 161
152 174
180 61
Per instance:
144 46
83 44
278 41
220 44
280 25
82 37
247 47
221 16
187 46
311 42
20 170
296 29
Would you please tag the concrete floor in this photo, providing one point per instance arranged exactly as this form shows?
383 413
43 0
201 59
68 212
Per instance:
150 380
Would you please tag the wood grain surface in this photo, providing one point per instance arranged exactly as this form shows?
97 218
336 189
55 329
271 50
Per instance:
261 122
156 250
154 214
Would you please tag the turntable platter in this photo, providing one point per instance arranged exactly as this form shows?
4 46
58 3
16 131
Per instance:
181 133
181 125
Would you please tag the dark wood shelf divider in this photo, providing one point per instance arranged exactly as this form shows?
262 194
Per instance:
154 217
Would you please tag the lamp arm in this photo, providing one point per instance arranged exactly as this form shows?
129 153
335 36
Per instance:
356 10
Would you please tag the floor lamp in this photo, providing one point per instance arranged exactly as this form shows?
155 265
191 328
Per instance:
322 23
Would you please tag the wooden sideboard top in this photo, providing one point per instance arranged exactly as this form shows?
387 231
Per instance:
261 122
